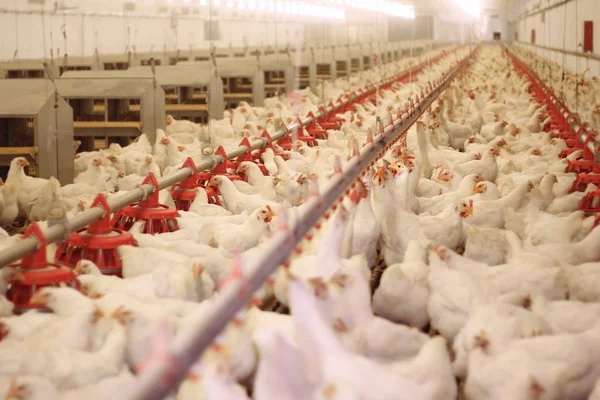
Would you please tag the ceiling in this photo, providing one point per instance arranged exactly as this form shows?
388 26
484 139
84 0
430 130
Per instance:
452 7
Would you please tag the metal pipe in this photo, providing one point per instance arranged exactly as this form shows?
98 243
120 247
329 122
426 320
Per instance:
188 346
61 231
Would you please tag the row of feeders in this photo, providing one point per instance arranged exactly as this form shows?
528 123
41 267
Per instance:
37 273
158 218
586 167
99 242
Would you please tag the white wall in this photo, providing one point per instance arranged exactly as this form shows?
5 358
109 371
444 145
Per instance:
563 29
450 31
103 25
457 27
494 21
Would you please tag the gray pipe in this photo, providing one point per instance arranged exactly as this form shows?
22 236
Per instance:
190 344
61 232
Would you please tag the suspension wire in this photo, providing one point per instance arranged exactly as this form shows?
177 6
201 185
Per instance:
292 190
210 63
43 14
412 46
64 32
549 52
276 37
16 53
322 61
349 57
82 30
564 54
380 62
577 58
429 38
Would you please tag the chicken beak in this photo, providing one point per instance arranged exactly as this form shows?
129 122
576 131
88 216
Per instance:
197 270
271 213
119 315
13 391
440 251
476 189
239 169
97 315
471 211
78 269
217 348
148 160
38 299
25 163
164 141
99 162
19 277
276 180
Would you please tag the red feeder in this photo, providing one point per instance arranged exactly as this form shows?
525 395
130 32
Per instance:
250 157
159 218
330 121
591 203
184 192
314 129
98 243
220 169
286 142
37 274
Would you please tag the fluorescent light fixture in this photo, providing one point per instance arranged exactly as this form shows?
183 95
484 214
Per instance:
325 9
384 7
471 7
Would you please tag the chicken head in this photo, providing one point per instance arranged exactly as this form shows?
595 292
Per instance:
97 162
10 274
302 179
465 208
480 188
215 181
21 162
122 315
42 297
444 175
266 214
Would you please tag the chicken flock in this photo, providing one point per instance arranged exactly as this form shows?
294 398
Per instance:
489 289
579 92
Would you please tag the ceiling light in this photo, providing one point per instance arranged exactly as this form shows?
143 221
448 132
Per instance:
472 7
384 7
